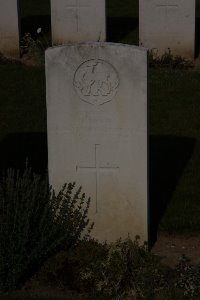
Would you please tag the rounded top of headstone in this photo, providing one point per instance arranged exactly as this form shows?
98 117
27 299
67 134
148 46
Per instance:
96 45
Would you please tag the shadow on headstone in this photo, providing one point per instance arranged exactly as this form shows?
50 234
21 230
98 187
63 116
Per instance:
120 27
18 148
197 38
168 156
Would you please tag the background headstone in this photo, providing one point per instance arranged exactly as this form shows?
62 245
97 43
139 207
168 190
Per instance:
168 24
78 21
97 131
9 28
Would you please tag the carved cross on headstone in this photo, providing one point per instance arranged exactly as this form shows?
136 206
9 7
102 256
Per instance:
97 169
77 6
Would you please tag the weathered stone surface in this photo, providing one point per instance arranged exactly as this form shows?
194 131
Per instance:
9 28
97 131
168 24
78 21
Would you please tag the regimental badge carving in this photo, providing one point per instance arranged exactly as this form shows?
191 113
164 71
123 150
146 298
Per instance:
96 81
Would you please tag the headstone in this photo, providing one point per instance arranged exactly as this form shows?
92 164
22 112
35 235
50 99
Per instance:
9 28
168 25
78 21
97 131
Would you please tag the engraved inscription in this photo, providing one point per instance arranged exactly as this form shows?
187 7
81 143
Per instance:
97 170
168 11
166 7
96 81
77 6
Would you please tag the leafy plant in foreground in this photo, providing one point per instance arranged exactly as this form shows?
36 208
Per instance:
188 278
35 223
127 271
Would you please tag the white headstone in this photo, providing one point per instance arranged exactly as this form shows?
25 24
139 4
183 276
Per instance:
97 131
168 24
9 28
78 21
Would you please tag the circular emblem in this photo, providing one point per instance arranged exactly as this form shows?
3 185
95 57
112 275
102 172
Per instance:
96 81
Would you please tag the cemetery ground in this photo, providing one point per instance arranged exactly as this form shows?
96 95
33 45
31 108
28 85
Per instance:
174 147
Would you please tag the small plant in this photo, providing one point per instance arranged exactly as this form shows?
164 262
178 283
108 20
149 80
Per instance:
35 47
188 278
126 271
64 268
168 60
35 223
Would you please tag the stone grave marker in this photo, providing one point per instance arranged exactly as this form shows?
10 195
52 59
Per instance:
78 21
168 24
97 131
9 28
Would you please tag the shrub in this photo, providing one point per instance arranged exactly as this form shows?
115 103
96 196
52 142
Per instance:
126 271
35 223
168 60
35 47
64 268
188 278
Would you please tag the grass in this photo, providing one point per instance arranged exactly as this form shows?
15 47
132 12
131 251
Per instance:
22 94
179 104
22 117
174 115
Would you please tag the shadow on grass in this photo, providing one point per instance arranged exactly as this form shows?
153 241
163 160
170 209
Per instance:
17 148
32 23
120 27
168 157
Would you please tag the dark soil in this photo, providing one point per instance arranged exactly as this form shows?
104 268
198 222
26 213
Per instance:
172 247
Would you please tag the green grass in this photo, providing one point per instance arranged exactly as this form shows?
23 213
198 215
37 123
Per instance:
22 94
175 102
174 112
